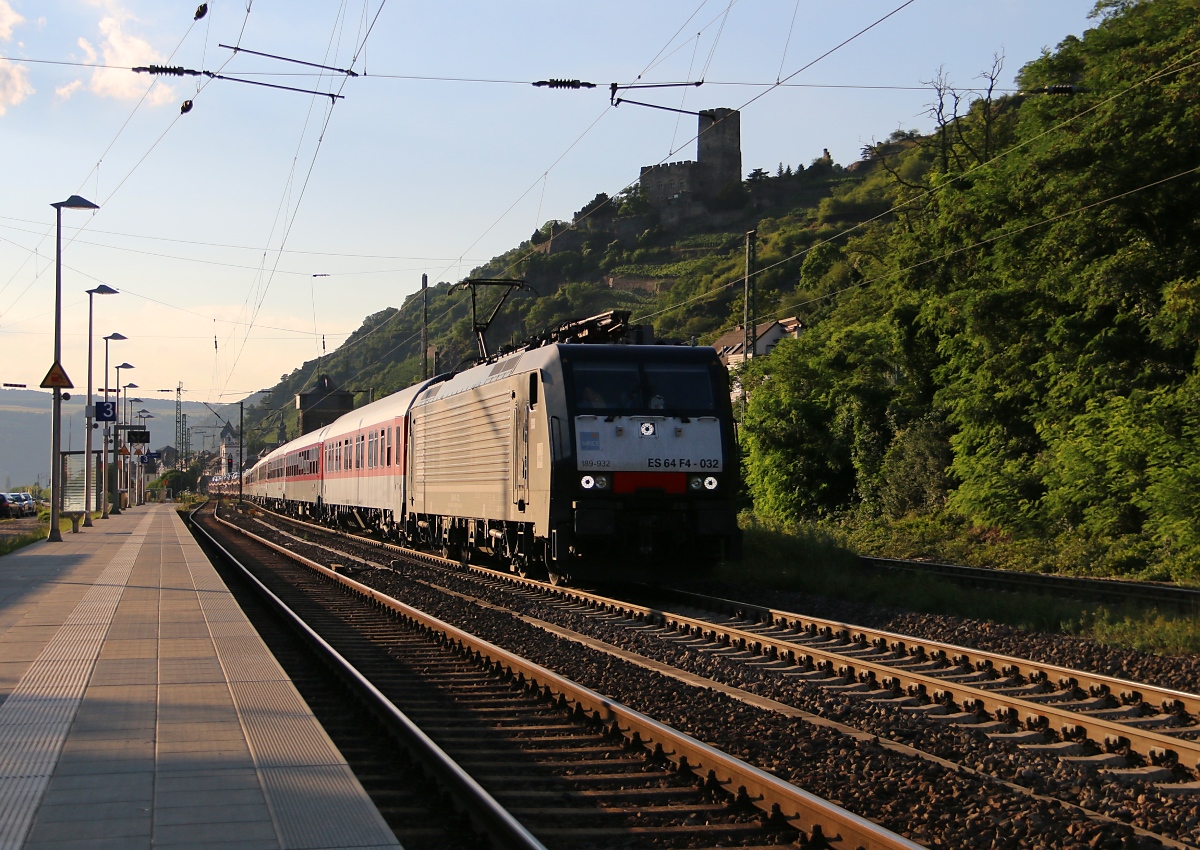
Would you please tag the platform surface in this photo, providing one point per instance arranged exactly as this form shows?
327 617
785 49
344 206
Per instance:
140 708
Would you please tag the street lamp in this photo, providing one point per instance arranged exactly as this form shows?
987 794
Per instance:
72 203
128 458
142 416
112 337
116 508
102 289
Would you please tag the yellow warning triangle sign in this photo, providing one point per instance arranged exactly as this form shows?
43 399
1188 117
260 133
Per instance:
56 379
123 451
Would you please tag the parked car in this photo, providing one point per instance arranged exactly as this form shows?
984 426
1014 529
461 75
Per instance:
29 506
8 508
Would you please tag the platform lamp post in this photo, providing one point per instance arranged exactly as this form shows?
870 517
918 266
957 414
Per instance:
128 424
72 203
112 337
116 508
142 416
102 289
123 465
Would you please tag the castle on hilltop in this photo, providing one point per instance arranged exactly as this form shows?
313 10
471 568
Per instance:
685 190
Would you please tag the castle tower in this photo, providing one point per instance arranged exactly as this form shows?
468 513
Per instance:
720 148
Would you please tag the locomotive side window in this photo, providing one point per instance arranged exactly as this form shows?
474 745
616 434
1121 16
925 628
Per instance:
533 389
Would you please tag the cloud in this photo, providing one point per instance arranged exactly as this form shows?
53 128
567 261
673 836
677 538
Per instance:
14 85
123 50
8 20
65 91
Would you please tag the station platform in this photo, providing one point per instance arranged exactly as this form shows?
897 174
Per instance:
139 708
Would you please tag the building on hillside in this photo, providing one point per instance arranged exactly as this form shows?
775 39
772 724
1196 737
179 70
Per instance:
321 405
731 346
681 191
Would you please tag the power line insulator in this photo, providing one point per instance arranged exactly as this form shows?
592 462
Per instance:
167 70
564 84
185 108
1059 89
201 11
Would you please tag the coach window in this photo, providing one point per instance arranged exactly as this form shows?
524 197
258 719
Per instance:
389 446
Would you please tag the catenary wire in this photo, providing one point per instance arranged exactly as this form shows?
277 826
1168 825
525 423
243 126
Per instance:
383 324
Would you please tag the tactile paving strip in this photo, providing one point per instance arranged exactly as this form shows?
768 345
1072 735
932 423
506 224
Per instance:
36 717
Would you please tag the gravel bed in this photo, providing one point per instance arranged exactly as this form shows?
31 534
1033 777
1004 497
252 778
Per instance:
927 802
922 800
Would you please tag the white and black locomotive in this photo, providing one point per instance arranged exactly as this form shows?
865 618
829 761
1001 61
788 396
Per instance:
568 459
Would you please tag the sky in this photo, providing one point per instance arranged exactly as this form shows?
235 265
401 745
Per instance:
274 221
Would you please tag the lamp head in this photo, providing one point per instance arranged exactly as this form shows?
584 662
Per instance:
131 386
102 289
117 336
76 203
126 366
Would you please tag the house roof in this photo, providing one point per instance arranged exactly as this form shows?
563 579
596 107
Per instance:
733 341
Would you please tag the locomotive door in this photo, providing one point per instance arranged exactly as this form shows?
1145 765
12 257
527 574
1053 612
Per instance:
520 465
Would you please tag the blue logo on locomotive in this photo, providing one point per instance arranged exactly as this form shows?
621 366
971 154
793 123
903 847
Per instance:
589 441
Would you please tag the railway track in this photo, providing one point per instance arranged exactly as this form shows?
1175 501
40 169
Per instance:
857 667
576 768
417 813
1068 711
1117 592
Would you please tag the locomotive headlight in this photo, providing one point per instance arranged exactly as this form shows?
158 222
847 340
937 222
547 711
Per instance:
710 483
587 482
696 482
601 482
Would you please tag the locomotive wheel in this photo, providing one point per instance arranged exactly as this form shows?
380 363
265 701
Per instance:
453 552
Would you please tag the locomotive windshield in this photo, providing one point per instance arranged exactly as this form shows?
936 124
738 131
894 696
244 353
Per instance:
632 387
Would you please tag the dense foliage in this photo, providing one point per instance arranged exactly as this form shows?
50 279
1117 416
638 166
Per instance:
1016 356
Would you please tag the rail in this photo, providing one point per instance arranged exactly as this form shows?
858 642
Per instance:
1184 599
812 815
493 818
840 637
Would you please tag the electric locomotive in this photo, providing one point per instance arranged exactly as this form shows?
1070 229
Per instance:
598 460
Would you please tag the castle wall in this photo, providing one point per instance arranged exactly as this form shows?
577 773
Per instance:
661 183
